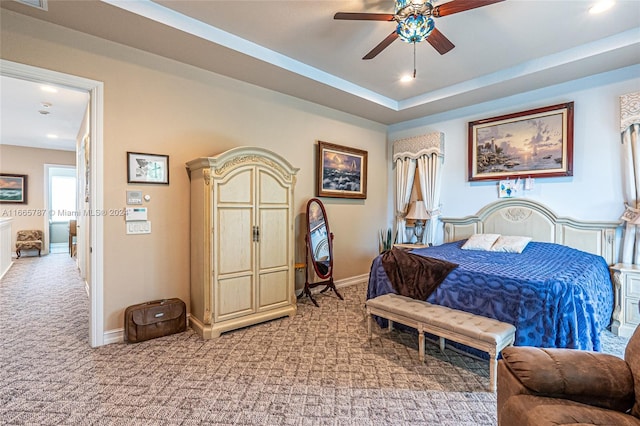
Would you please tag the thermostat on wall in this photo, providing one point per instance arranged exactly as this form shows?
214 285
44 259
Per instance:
134 197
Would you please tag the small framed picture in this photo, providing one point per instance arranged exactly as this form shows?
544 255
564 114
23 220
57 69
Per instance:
341 171
13 188
147 168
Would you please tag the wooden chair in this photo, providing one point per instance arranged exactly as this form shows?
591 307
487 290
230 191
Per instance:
29 240
72 236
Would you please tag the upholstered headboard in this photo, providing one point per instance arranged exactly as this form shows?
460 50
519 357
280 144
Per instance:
518 216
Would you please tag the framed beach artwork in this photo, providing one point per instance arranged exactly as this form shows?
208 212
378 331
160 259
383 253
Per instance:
533 143
13 188
147 168
341 171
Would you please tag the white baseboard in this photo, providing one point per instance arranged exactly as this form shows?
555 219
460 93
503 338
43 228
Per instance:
113 336
345 282
6 270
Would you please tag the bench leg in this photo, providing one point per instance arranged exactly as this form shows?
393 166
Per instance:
390 326
421 345
443 343
493 364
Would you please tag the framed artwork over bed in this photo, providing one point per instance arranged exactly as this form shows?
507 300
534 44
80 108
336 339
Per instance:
341 171
533 143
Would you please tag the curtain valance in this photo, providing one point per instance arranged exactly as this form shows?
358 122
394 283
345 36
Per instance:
418 146
629 110
427 153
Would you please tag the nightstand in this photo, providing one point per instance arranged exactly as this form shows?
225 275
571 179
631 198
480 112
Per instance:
626 286
410 246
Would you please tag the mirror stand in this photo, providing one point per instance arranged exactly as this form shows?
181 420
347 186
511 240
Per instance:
329 285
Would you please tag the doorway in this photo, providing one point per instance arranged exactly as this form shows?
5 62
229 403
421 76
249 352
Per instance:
62 208
94 185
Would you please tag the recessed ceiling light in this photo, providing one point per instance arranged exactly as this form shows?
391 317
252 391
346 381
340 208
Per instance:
52 136
44 112
601 6
407 78
49 89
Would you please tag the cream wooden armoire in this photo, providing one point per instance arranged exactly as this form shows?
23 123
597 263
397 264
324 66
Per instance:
242 240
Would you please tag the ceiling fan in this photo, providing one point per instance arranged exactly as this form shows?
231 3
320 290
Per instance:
415 22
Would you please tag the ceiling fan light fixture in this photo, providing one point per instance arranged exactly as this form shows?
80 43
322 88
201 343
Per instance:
415 28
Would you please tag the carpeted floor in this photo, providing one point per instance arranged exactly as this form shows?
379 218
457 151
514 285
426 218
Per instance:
314 369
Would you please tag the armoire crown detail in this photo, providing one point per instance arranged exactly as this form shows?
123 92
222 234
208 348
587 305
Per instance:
252 159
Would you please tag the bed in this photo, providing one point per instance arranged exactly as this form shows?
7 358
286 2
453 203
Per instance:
557 292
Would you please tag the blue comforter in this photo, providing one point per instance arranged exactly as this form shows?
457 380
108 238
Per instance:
556 296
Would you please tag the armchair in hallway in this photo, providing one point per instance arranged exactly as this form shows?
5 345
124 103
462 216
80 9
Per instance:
29 240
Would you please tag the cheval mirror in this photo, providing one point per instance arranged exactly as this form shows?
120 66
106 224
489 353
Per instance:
319 242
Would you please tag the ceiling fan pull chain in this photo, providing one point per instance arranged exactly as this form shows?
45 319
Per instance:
414 59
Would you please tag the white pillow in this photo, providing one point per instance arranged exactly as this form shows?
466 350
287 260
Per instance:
510 244
480 242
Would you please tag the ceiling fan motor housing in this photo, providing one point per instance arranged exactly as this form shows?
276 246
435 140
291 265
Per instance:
406 8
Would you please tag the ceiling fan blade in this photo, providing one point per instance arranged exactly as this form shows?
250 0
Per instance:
440 42
456 6
383 45
355 16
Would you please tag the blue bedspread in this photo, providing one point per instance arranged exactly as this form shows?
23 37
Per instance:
556 296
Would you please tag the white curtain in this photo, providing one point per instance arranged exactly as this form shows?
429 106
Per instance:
631 187
405 172
630 132
426 152
430 175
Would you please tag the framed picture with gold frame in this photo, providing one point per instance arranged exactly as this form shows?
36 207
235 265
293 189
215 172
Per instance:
341 171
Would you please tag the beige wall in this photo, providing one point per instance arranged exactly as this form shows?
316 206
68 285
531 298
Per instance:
155 105
30 162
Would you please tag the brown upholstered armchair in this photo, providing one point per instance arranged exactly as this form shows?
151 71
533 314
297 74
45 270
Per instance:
29 240
566 386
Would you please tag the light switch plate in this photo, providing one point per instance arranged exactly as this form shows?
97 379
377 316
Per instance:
139 227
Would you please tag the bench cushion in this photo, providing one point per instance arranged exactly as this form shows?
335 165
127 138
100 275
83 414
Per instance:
474 326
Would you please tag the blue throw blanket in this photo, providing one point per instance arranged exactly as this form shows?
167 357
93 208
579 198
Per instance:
556 296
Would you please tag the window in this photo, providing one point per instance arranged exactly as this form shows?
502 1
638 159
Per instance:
63 198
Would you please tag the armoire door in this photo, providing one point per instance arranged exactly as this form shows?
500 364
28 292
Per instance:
273 267
234 259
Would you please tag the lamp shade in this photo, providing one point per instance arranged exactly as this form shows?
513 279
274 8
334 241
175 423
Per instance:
418 211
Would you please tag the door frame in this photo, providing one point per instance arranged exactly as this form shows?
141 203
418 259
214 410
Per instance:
95 251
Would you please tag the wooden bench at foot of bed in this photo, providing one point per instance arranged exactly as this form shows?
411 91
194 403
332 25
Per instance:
486 334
